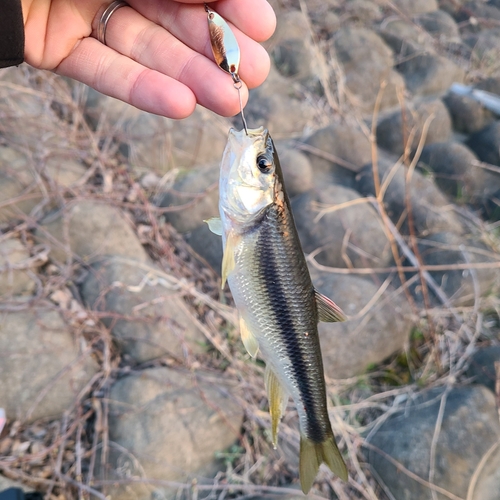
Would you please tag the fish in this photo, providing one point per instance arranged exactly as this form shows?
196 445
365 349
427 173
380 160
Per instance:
279 308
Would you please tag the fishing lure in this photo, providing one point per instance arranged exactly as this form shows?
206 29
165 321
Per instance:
226 52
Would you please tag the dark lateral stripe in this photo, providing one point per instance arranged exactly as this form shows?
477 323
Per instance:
275 293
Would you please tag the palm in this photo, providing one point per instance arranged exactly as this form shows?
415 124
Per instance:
158 54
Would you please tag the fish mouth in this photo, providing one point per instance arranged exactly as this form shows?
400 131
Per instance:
250 133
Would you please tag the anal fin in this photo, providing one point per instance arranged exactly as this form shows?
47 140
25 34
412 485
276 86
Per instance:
278 399
312 455
328 311
248 338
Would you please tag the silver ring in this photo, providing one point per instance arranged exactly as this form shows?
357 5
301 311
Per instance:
105 17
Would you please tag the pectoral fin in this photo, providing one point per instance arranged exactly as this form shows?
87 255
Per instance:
278 399
249 341
228 262
328 311
215 225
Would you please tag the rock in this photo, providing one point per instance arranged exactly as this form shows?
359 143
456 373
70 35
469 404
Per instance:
431 210
49 386
154 143
63 171
155 323
353 236
280 105
468 115
338 141
429 73
440 25
391 133
456 173
193 198
367 62
325 22
169 424
363 11
404 37
478 10
14 281
490 84
20 183
207 245
6 483
446 249
410 7
16 183
470 422
349 348
482 366
89 229
485 50
297 169
293 53
486 143
487 483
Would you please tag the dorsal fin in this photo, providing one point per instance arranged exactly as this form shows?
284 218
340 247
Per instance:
328 311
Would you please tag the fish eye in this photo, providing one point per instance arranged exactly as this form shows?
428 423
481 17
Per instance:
264 164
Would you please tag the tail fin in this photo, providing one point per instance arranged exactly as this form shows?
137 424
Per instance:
312 455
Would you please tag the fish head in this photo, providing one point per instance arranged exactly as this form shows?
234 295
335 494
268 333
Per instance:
248 174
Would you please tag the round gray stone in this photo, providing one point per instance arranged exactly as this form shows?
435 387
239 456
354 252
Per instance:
14 281
168 425
89 229
193 198
352 236
349 348
394 128
49 386
148 320
456 172
482 366
431 209
469 427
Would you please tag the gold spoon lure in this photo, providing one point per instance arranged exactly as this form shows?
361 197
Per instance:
226 52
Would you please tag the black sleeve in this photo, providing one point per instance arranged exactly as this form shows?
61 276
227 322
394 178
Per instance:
11 33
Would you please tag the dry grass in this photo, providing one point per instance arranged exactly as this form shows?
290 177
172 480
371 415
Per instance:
60 457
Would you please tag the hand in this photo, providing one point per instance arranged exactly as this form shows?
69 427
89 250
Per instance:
157 55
